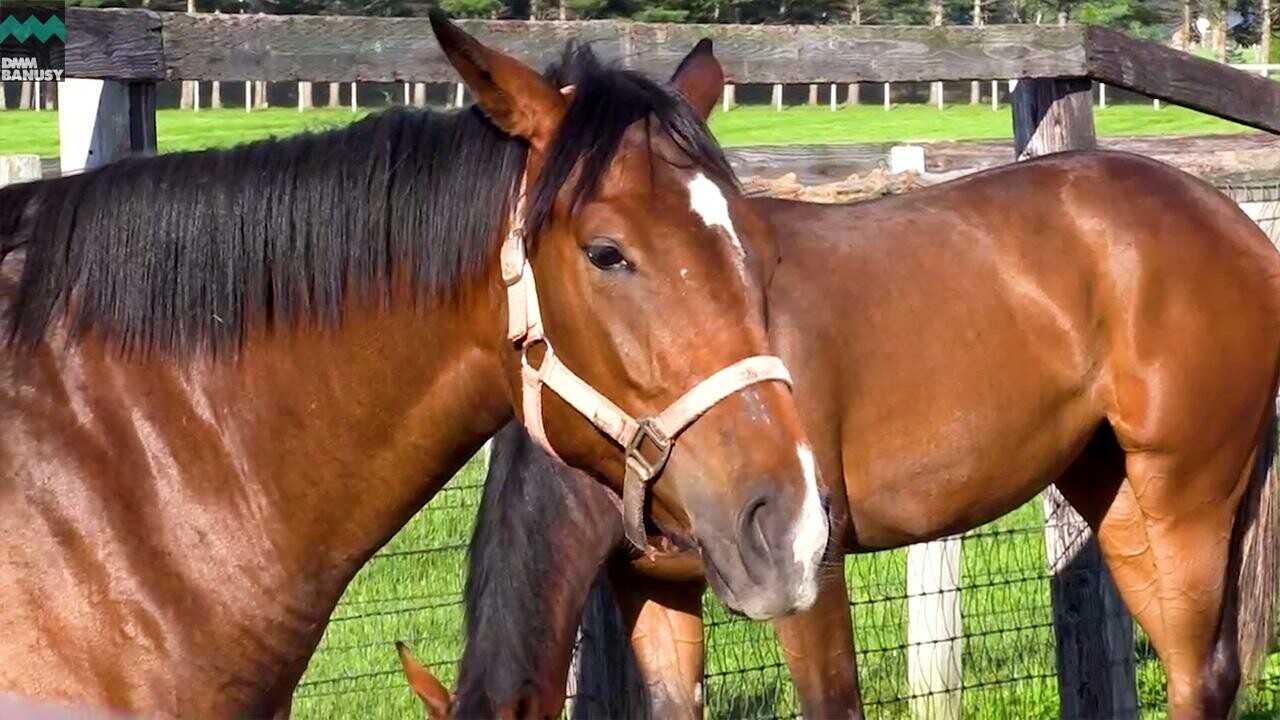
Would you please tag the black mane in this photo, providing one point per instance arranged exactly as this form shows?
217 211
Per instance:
189 251
541 533
186 250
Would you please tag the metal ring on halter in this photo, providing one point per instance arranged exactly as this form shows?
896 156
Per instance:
524 354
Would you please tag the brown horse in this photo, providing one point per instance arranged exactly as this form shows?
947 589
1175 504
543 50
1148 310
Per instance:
1098 321
233 375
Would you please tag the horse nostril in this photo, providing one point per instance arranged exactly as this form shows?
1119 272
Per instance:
753 537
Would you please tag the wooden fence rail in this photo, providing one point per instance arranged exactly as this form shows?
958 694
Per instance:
141 45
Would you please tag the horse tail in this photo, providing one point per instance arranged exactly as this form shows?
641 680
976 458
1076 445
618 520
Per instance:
1257 551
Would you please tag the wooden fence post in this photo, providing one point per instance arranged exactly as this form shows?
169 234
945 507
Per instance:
1102 95
420 94
248 96
813 93
887 103
728 97
354 105
1093 632
855 93
459 95
101 121
777 96
995 95
335 95
1052 115
833 97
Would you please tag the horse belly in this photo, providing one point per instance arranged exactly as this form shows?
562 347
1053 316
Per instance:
984 404
960 477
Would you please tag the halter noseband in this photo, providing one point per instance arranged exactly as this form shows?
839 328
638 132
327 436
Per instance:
647 442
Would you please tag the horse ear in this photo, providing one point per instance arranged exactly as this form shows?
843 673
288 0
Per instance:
699 78
517 99
435 698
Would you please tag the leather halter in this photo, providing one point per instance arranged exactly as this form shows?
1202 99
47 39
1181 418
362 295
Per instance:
647 442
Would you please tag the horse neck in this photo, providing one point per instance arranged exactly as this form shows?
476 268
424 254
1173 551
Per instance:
260 484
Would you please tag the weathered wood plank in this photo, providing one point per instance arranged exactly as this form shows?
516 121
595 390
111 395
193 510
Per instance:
286 48
849 53
1178 77
114 44
319 48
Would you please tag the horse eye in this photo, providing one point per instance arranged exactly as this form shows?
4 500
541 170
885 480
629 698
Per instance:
606 256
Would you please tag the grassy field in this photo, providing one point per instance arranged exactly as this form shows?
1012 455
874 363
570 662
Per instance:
411 591
29 132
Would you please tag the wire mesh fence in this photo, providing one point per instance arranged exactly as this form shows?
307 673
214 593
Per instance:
1001 655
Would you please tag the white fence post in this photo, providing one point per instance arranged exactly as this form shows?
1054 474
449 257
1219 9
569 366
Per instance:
777 96
886 97
935 632
833 97
728 97
101 121
19 168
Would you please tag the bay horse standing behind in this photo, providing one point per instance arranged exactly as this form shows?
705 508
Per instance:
229 377
1098 321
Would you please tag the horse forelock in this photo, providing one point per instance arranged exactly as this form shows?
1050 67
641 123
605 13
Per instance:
606 102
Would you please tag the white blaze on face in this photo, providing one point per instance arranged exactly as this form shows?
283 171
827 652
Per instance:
710 205
811 532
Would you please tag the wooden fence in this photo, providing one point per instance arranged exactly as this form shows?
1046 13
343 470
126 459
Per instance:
115 57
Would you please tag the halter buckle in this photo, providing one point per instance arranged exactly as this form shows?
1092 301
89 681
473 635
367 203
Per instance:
648 436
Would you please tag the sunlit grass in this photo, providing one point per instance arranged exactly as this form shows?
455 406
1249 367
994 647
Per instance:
30 132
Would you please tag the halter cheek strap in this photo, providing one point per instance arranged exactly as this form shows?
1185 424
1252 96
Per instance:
647 442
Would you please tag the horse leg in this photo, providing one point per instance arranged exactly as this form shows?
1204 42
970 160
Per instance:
818 647
665 622
1169 558
1196 551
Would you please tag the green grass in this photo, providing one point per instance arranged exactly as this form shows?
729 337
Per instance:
412 590
29 132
